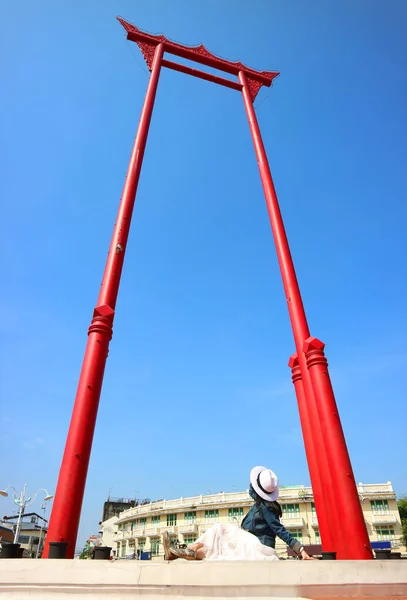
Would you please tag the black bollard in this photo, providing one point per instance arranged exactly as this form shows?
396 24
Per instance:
10 551
57 549
382 554
328 555
102 552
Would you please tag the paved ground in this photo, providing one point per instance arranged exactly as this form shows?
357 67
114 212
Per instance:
184 580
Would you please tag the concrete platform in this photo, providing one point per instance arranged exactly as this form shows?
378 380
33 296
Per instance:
86 579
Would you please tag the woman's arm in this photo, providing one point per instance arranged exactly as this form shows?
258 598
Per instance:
274 523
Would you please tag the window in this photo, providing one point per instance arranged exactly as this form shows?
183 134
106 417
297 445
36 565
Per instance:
123 553
212 516
35 541
189 540
142 544
190 517
155 521
317 536
385 535
171 520
297 534
313 511
140 523
290 511
379 506
24 539
155 546
235 514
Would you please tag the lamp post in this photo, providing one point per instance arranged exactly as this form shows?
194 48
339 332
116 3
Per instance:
43 508
22 502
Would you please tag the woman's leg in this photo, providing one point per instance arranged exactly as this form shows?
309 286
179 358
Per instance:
197 547
193 552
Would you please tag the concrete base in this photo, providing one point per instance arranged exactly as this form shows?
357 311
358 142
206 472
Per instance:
119 580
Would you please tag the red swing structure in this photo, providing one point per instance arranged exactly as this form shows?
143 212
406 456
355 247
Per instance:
340 517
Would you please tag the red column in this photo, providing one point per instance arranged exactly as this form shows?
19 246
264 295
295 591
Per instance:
300 331
324 524
67 505
347 497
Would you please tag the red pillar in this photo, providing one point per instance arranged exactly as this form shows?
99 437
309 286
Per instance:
67 505
354 546
324 524
347 497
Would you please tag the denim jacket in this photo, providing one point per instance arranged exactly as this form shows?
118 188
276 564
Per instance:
264 524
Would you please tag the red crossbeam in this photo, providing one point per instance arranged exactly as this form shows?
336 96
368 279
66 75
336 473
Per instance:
202 75
148 42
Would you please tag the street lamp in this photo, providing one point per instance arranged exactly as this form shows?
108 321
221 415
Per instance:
43 508
22 501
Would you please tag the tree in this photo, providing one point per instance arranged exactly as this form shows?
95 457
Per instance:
402 506
86 552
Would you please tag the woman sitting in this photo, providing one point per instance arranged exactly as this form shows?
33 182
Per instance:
255 540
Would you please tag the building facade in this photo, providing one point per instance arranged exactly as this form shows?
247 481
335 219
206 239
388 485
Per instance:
140 529
108 532
33 529
114 506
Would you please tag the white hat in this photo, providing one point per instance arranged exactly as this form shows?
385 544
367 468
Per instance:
264 483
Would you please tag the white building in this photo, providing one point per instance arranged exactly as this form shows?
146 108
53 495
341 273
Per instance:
141 528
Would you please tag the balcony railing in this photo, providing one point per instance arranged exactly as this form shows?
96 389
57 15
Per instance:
293 522
382 518
314 522
139 532
188 528
181 504
171 529
375 488
297 493
152 531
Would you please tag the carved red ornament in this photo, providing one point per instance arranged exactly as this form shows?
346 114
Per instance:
148 42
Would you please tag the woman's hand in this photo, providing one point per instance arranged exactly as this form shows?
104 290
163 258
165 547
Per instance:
306 556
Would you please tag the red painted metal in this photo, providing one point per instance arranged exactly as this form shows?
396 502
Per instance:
199 54
356 546
316 402
202 75
353 523
331 511
67 505
308 431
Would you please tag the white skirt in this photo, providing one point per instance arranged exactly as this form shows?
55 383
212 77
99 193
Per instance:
225 541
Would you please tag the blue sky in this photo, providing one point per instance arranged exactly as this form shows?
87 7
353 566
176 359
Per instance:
197 388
